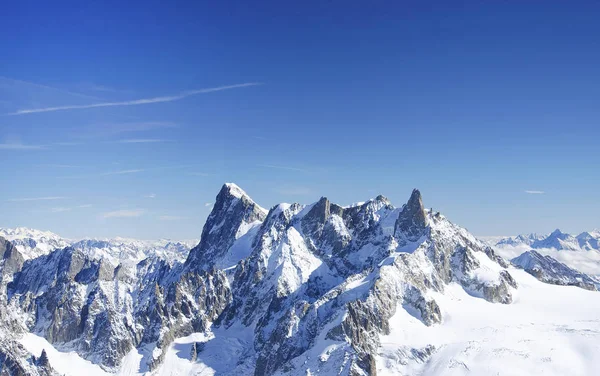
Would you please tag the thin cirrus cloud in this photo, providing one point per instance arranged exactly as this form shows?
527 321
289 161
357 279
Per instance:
58 165
278 167
19 146
109 173
122 172
535 192
67 209
171 218
12 83
60 210
142 141
47 198
135 102
131 213
126 172
95 131
151 195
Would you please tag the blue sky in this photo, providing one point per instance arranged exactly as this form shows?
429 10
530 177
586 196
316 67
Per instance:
475 103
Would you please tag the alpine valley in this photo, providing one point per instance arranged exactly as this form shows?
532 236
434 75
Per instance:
319 289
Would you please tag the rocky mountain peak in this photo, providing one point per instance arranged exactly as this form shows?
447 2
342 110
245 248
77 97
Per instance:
233 215
232 189
382 199
412 221
320 211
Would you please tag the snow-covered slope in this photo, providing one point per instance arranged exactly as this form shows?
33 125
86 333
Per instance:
315 289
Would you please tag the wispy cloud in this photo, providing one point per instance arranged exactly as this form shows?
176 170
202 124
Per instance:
282 167
151 195
66 209
122 172
535 192
171 218
57 165
20 146
126 172
208 204
142 141
132 213
102 130
67 143
135 102
49 198
60 210
7 82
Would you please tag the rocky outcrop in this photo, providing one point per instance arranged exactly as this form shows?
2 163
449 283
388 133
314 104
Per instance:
11 260
412 221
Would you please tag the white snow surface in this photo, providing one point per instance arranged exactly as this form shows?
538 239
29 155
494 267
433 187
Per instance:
548 329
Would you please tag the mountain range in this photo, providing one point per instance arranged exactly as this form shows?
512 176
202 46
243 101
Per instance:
319 289
586 241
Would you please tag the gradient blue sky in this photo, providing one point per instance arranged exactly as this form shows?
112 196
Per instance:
475 103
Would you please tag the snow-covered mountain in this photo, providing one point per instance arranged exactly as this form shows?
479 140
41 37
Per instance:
33 243
549 270
316 289
586 241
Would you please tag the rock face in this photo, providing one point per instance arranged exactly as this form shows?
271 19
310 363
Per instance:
233 215
412 221
290 278
549 270
11 259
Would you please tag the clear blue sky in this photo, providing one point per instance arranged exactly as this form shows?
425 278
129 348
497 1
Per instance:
474 103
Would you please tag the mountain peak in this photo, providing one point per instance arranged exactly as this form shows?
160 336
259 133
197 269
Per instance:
320 211
233 215
415 206
233 190
413 219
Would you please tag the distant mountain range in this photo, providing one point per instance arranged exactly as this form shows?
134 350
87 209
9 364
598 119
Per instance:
318 289
586 241
34 243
